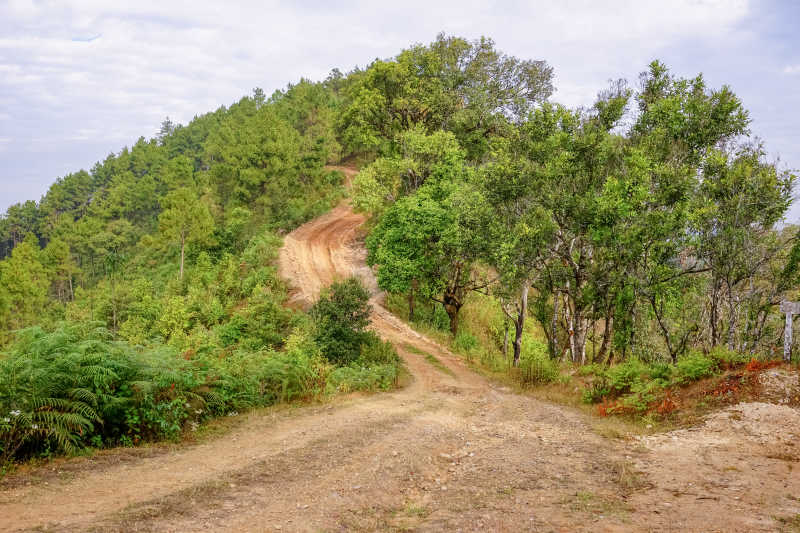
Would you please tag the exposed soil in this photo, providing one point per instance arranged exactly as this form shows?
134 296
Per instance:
449 452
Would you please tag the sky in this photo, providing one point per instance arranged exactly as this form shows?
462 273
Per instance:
81 79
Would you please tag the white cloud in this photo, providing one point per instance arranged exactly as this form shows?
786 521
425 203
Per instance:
791 69
155 58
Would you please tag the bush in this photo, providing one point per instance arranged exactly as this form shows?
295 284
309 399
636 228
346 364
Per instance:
694 366
74 387
341 316
661 372
617 380
374 351
65 389
535 365
624 376
642 394
727 358
465 342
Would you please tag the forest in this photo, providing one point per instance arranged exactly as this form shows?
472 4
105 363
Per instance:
644 233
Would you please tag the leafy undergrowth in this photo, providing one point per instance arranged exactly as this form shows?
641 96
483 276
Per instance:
679 394
76 389
638 400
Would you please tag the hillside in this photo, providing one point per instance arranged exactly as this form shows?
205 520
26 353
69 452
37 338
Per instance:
572 313
449 451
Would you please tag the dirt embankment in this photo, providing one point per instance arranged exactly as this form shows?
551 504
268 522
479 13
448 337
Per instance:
450 452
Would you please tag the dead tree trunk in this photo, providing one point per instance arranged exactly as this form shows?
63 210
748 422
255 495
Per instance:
517 314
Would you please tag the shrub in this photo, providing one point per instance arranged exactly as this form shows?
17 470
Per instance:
63 388
341 316
535 365
623 377
642 394
727 358
694 366
597 390
75 387
465 342
232 331
375 351
661 372
617 380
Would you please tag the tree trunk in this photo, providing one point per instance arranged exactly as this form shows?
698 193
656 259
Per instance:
114 300
452 305
519 323
606 334
570 316
714 315
732 318
581 327
505 339
553 326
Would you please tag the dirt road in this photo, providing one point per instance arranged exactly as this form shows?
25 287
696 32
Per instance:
449 452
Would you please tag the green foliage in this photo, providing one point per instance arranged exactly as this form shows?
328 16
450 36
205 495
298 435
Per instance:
467 87
535 365
638 385
341 316
374 351
623 377
465 342
694 366
75 387
358 378
185 219
23 286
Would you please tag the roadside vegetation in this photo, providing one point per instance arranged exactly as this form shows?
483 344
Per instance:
653 393
75 387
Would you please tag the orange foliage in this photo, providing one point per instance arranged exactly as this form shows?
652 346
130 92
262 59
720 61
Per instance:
756 366
608 407
667 405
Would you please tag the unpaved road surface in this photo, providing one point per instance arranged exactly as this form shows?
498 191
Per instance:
449 452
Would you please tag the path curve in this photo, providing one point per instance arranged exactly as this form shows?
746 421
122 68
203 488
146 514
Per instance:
450 452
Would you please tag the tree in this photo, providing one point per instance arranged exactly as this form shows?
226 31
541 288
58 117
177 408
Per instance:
740 199
518 231
20 220
62 268
427 241
23 285
185 220
341 316
166 129
387 179
465 87
568 157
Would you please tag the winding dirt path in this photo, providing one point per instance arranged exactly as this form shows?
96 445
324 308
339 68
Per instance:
449 452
